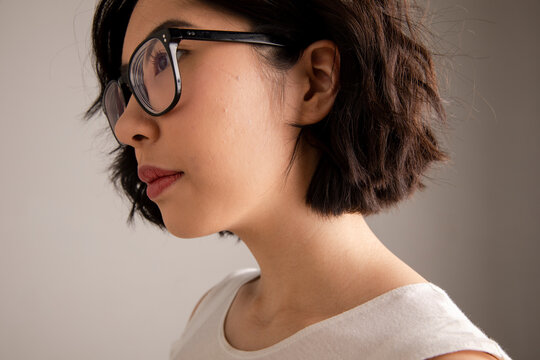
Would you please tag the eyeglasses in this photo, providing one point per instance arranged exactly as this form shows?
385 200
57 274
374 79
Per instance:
153 76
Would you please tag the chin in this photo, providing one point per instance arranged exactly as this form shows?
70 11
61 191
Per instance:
187 229
185 232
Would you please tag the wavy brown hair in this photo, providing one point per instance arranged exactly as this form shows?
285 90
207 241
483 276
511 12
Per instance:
378 139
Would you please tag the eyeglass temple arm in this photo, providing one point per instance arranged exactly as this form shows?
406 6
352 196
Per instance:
231 36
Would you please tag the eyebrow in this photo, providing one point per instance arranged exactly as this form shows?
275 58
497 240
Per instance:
171 23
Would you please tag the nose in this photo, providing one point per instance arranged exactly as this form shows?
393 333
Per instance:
135 127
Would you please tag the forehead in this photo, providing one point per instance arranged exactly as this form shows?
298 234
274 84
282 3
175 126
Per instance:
149 15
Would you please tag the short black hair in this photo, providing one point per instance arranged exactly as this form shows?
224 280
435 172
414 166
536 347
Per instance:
378 139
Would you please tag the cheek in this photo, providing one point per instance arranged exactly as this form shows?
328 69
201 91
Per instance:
231 126
234 148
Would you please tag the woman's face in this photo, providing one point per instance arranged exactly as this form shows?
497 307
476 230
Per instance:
227 134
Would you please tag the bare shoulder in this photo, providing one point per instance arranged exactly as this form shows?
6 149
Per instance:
198 303
465 355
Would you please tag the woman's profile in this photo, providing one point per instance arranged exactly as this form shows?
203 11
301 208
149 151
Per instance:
285 123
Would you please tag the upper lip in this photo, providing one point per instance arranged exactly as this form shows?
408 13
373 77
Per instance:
149 174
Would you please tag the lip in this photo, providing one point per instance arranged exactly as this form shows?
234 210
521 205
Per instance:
157 179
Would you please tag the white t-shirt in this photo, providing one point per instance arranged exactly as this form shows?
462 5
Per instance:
412 322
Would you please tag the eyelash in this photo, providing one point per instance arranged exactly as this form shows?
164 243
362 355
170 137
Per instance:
154 58
182 52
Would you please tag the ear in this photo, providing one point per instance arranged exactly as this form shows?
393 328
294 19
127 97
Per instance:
318 70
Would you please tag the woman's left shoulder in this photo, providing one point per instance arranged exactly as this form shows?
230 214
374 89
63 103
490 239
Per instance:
465 355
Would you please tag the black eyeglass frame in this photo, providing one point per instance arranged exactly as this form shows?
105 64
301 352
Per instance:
170 38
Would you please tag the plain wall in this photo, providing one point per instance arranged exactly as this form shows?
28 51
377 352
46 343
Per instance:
77 283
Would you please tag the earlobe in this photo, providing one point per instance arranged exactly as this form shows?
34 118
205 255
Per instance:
321 65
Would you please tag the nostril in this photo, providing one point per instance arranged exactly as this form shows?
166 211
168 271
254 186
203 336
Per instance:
139 137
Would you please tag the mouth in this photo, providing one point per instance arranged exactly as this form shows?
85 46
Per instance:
150 174
157 179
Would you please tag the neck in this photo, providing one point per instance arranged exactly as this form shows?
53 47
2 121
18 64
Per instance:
313 263
308 262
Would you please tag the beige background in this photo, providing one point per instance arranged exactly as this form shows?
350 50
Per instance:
77 283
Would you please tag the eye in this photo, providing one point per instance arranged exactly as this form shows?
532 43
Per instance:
180 53
160 62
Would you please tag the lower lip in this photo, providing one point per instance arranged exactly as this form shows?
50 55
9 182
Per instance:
156 187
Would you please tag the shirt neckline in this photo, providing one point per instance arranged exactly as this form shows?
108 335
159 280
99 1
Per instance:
243 354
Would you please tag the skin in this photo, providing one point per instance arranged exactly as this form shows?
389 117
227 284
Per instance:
230 136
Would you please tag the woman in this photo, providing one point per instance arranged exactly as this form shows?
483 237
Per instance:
284 123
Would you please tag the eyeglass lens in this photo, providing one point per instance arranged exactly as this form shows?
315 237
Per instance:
152 82
114 103
152 76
